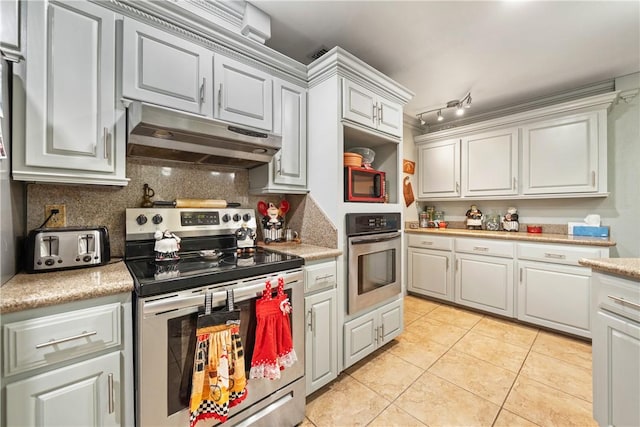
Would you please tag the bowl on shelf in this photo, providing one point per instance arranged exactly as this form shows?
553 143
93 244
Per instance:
352 159
368 155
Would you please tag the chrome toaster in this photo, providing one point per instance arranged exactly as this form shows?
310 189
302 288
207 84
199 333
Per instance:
49 249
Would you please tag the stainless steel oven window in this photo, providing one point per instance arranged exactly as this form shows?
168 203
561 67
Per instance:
374 265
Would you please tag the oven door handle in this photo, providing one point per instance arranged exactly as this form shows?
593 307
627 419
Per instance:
366 240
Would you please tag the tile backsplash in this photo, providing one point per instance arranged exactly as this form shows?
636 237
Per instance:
89 205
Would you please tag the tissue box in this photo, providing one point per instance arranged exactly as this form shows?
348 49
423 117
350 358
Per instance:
590 230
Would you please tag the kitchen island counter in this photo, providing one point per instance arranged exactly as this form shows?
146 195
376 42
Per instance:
27 291
303 250
521 236
628 268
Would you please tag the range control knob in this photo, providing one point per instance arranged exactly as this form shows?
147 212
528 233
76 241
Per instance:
226 218
157 219
49 262
236 217
246 217
141 219
86 258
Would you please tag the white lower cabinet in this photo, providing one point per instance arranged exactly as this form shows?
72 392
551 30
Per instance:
370 331
321 353
616 350
69 364
82 394
555 296
321 330
429 265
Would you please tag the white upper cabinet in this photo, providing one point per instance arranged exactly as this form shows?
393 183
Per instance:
242 94
490 163
11 30
560 155
166 70
439 169
73 130
360 105
290 113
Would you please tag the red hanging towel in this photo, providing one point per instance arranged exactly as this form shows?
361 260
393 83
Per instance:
273 350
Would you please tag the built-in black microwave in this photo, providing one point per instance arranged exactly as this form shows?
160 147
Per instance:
363 185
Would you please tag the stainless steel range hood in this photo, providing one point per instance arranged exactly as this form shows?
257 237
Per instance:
163 133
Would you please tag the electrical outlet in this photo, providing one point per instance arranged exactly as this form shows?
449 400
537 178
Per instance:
56 220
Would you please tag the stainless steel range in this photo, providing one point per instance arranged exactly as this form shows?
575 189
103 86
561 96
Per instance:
216 253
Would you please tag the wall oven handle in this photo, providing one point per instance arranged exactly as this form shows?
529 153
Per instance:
366 240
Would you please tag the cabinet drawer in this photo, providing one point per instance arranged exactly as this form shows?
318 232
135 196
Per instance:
485 247
428 241
51 339
560 254
320 276
617 295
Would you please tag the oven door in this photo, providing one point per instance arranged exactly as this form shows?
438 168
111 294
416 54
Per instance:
374 269
165 346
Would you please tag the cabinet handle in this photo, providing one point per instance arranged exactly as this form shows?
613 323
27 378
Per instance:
514 183
111 399
380 114
203 90
554 256
480 248
61 340
520 274
220 96
106 143
624 301
593 178
326 276
426 242
313 321
375 336
375 112
457 187
310 321
382 333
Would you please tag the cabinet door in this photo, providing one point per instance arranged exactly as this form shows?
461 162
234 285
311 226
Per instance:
360 337
490 163
70 86
616 371
429 273
561 155
555 296
83 394
164 69
439 169
359 104
290 121
243 94
390 322
321 361
390 117
485 283
11 31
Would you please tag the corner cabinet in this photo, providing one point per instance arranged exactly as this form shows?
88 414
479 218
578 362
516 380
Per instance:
164 69
552 152
68 126
363 106
321 332
616 350
287 171
69 364
367 333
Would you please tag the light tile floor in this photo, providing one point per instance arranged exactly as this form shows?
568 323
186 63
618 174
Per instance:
453 367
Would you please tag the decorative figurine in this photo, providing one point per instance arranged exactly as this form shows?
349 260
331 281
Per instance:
273 220
510 220
147 194
474 218
167 246
245 236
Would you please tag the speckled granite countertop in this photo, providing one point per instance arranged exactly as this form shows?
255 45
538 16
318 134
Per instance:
524 236
308 252
26 291
626 267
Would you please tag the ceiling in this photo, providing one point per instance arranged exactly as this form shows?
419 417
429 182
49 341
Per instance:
504 52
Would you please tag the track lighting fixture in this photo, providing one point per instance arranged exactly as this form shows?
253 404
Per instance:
459 104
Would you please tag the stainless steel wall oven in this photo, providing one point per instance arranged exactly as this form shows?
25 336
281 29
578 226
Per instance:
374 248
169 295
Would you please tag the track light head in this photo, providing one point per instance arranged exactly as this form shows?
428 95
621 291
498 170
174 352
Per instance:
440 117
422 122
459 110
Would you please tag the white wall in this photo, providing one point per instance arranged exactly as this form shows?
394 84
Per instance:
409 153
620 211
